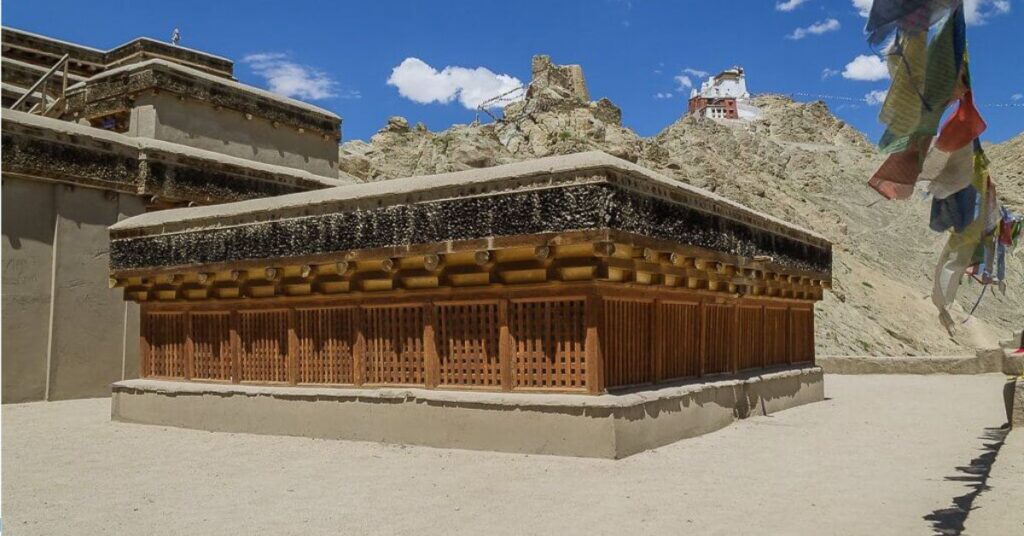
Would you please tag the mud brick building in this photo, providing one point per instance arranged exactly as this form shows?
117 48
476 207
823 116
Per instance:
91 137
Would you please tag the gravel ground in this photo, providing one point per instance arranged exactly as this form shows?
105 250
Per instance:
884 455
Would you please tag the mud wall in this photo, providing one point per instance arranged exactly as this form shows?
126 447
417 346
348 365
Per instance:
165 117
65 333
28 224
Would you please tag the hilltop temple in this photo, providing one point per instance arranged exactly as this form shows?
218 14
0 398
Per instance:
723 96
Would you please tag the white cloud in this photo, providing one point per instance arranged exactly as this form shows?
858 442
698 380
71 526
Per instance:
285 77
876 97
1017 96
788 5
979 11
975 11
863 7
684 81
818 28
867 68
419 82
828 73
666 95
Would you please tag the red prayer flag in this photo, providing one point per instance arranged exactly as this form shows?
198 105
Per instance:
962 127
896 177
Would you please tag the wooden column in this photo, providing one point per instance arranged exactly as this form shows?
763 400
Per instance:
236 348
658 342
592 349
735 351
293 348
764 336
504 346
703 337
814 351
359 348
431 361
144 370
190 350
789 335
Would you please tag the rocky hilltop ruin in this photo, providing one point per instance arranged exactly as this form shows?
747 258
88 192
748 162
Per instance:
797 162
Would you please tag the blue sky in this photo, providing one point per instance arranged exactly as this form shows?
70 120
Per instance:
341 55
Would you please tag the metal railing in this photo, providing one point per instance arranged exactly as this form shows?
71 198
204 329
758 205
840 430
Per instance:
44 106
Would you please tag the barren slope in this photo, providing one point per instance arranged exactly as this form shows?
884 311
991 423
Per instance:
797 162
1008 170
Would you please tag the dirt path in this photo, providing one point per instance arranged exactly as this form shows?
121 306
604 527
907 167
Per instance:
880 457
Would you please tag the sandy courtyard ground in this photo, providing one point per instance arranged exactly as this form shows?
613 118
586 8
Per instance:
884 455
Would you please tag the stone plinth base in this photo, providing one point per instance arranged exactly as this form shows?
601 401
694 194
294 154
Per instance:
606 426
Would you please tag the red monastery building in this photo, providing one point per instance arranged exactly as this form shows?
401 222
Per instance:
723 96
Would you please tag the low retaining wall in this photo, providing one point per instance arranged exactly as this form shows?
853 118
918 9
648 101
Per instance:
1013 364
984 362
1013 395
605 426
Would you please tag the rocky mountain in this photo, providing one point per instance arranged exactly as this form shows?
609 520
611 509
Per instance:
797 162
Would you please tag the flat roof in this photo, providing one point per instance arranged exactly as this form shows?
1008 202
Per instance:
11 62
160 63
475 182
53 39
116 48
58 126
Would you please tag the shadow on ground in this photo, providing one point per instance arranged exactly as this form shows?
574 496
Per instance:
950 521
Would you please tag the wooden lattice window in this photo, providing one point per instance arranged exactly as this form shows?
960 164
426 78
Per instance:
325 339
211 345
776 329
626 343
801 335
750 338
264 345
719 326
467 339
394 344
164 334
548 344
680 332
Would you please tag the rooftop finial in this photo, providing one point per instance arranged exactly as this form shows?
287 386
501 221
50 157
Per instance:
175 37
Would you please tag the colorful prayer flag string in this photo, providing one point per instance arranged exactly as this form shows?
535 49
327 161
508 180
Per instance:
927 77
